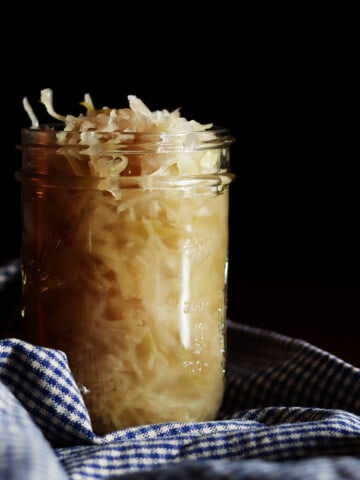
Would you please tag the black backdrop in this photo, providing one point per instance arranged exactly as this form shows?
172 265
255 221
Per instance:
282 82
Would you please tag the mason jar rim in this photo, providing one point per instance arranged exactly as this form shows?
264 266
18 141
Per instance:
46 136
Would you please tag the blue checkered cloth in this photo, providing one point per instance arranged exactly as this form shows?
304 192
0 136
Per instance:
291 411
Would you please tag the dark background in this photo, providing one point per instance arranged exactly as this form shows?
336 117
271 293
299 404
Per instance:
284 83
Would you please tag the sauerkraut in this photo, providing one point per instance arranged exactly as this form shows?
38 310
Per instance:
125 239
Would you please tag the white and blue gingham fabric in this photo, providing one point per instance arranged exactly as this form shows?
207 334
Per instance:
291 411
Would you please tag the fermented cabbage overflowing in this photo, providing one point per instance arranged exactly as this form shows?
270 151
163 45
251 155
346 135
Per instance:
125 238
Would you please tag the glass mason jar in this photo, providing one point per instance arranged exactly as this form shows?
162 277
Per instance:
127 273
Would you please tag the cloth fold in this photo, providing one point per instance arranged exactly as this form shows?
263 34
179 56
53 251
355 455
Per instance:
290 410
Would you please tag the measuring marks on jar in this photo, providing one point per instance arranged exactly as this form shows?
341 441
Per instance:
198 248
195 250
201 306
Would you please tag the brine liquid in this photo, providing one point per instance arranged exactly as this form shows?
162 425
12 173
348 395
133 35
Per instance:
131 286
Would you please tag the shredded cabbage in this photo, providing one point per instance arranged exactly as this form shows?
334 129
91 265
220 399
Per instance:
130 281
135 127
